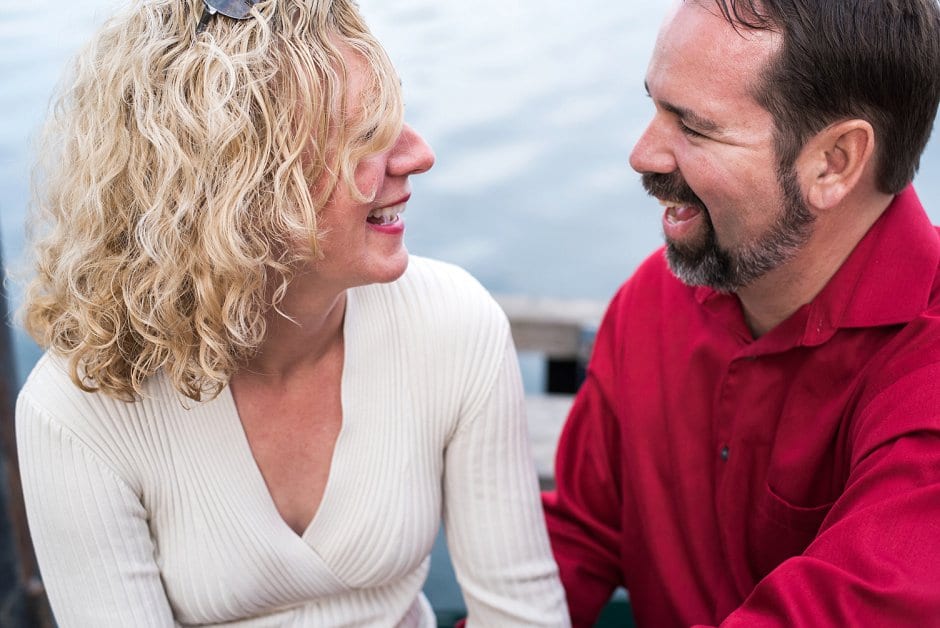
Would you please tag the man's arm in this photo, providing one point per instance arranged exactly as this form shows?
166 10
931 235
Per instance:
876 559
584 512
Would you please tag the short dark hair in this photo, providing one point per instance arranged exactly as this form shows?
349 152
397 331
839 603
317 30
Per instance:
878 60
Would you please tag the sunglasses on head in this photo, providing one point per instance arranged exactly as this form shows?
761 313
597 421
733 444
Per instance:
235 9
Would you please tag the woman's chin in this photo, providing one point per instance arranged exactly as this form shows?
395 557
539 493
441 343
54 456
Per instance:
391 267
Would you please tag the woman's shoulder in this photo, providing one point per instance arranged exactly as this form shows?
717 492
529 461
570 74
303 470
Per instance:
436 306
440 277
50 392
52 409
50 384
436 289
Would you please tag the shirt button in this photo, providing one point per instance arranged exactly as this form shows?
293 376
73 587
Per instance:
725 453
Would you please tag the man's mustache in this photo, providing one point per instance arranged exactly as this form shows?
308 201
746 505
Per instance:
670 187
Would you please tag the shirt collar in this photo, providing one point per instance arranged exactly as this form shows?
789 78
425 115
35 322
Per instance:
886 280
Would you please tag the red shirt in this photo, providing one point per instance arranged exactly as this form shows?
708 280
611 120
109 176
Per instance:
792 480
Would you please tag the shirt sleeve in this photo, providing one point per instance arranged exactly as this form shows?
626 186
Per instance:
875 560
493 521
583 512
89 531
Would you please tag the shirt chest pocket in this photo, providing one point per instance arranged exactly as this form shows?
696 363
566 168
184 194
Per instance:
778 530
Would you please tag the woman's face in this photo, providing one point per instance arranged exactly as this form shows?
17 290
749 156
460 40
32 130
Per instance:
363 241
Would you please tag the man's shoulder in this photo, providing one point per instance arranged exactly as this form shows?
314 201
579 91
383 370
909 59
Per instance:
914 347
900 389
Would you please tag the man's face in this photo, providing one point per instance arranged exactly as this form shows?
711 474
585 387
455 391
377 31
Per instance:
708 154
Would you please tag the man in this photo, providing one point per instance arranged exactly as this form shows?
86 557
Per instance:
757 442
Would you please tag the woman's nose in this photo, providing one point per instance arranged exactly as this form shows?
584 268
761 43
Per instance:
411 154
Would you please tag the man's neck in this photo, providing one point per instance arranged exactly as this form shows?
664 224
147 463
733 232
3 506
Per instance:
770 300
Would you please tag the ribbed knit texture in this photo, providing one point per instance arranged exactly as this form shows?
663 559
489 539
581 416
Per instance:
154 513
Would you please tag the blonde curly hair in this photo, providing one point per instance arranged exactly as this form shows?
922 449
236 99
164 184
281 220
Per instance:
177 174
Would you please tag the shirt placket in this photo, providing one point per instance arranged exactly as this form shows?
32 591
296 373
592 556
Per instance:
731 463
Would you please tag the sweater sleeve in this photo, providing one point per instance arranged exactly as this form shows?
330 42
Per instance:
492 516
89 530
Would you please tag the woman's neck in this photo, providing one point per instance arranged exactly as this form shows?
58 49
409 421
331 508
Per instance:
306 326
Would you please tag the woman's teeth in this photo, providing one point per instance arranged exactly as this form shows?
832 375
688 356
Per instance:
385 215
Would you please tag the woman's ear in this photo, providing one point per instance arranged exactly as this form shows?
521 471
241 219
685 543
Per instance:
834 160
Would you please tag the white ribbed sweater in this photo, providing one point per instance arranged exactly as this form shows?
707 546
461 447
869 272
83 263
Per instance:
154 513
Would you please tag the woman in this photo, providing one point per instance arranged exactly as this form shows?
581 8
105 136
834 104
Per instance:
253 409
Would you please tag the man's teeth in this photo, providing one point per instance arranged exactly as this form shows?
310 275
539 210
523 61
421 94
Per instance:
671 209
679 212
385 215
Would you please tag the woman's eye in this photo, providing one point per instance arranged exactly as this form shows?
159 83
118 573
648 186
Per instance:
369 135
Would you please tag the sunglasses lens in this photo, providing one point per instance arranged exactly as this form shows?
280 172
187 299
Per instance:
236 9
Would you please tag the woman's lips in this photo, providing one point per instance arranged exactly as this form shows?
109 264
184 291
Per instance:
387 219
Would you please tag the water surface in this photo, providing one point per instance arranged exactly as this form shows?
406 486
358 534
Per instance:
531 106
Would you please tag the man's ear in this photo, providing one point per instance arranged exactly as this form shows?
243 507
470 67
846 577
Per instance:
834 160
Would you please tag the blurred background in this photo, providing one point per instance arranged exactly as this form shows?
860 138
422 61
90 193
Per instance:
532 107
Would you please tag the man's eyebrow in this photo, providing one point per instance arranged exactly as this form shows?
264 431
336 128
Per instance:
698 122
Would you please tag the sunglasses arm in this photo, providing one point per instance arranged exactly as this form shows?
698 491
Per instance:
207 13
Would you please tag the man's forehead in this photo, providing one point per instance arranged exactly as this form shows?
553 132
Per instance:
695 31
707 72
681 9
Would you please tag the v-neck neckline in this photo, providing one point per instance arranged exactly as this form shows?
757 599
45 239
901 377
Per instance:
337 462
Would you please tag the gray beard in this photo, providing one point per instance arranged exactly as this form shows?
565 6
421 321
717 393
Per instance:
708 264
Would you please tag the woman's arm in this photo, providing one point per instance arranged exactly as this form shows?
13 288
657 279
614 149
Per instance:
492 514
89 530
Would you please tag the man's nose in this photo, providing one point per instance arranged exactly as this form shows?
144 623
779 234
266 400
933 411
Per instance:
653 152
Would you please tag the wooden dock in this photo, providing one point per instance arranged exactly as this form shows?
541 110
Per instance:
561 330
